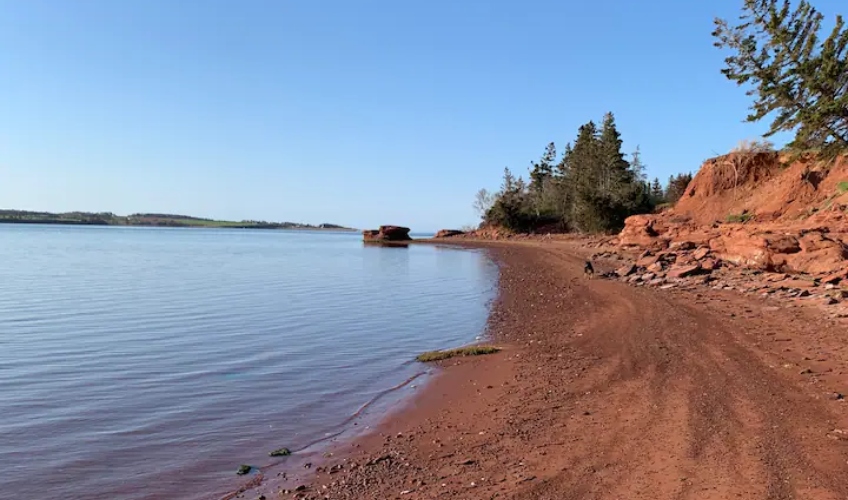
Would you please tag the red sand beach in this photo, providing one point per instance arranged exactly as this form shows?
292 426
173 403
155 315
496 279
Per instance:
604 390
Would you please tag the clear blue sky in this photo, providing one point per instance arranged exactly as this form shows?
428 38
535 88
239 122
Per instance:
354 112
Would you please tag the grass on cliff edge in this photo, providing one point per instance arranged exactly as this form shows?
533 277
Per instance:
475 350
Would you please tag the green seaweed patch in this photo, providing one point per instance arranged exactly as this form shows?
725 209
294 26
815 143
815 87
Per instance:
282 452
475 350
842 187
243 470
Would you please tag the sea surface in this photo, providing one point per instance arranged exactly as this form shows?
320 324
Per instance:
147 363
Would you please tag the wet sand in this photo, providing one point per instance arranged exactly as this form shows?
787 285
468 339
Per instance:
606 391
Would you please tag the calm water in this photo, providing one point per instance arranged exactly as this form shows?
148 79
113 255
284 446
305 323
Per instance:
142 363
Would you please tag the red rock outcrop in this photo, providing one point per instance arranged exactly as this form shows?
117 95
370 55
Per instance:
639 231
386 233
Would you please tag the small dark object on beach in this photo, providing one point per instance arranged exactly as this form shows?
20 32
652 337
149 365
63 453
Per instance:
588 269
243 469
282 452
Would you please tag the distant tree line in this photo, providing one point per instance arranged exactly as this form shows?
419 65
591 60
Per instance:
592 187
145 219
165 216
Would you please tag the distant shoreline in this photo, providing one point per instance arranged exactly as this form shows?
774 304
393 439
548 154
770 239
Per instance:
151 220
101 224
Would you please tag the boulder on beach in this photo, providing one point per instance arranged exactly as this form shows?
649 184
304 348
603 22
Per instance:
386 233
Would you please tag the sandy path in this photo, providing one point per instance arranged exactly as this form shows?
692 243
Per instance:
607 391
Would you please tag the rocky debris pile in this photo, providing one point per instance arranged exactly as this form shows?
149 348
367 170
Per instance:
448 233
755 212
685 264
657 268
818 247
386 233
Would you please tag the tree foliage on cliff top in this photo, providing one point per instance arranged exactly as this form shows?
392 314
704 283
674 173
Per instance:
796 75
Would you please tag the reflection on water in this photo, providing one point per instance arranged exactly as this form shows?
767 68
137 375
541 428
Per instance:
386 244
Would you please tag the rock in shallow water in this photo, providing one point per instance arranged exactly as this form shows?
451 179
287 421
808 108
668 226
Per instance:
387 233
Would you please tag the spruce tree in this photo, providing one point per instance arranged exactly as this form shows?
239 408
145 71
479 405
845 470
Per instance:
560 188
509 208
795 76
541 172
624 191
677 185
549 158
657 192
508 183
583 160
586 179
542 186
561 169
636 164
616 176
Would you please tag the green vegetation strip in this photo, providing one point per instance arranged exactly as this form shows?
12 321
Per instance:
739 217
476 350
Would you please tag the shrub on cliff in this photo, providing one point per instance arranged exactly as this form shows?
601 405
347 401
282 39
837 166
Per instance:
754 146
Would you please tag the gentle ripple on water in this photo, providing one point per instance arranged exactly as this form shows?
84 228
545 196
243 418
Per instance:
147 363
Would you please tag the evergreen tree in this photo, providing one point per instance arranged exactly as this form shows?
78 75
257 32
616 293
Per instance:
608 189
585 179
562 167
798 78
541 174
509 208
543 169
583 161
677 185
520 187
559 189
657 192
508 183
615 173
636 165
642 199
548 158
